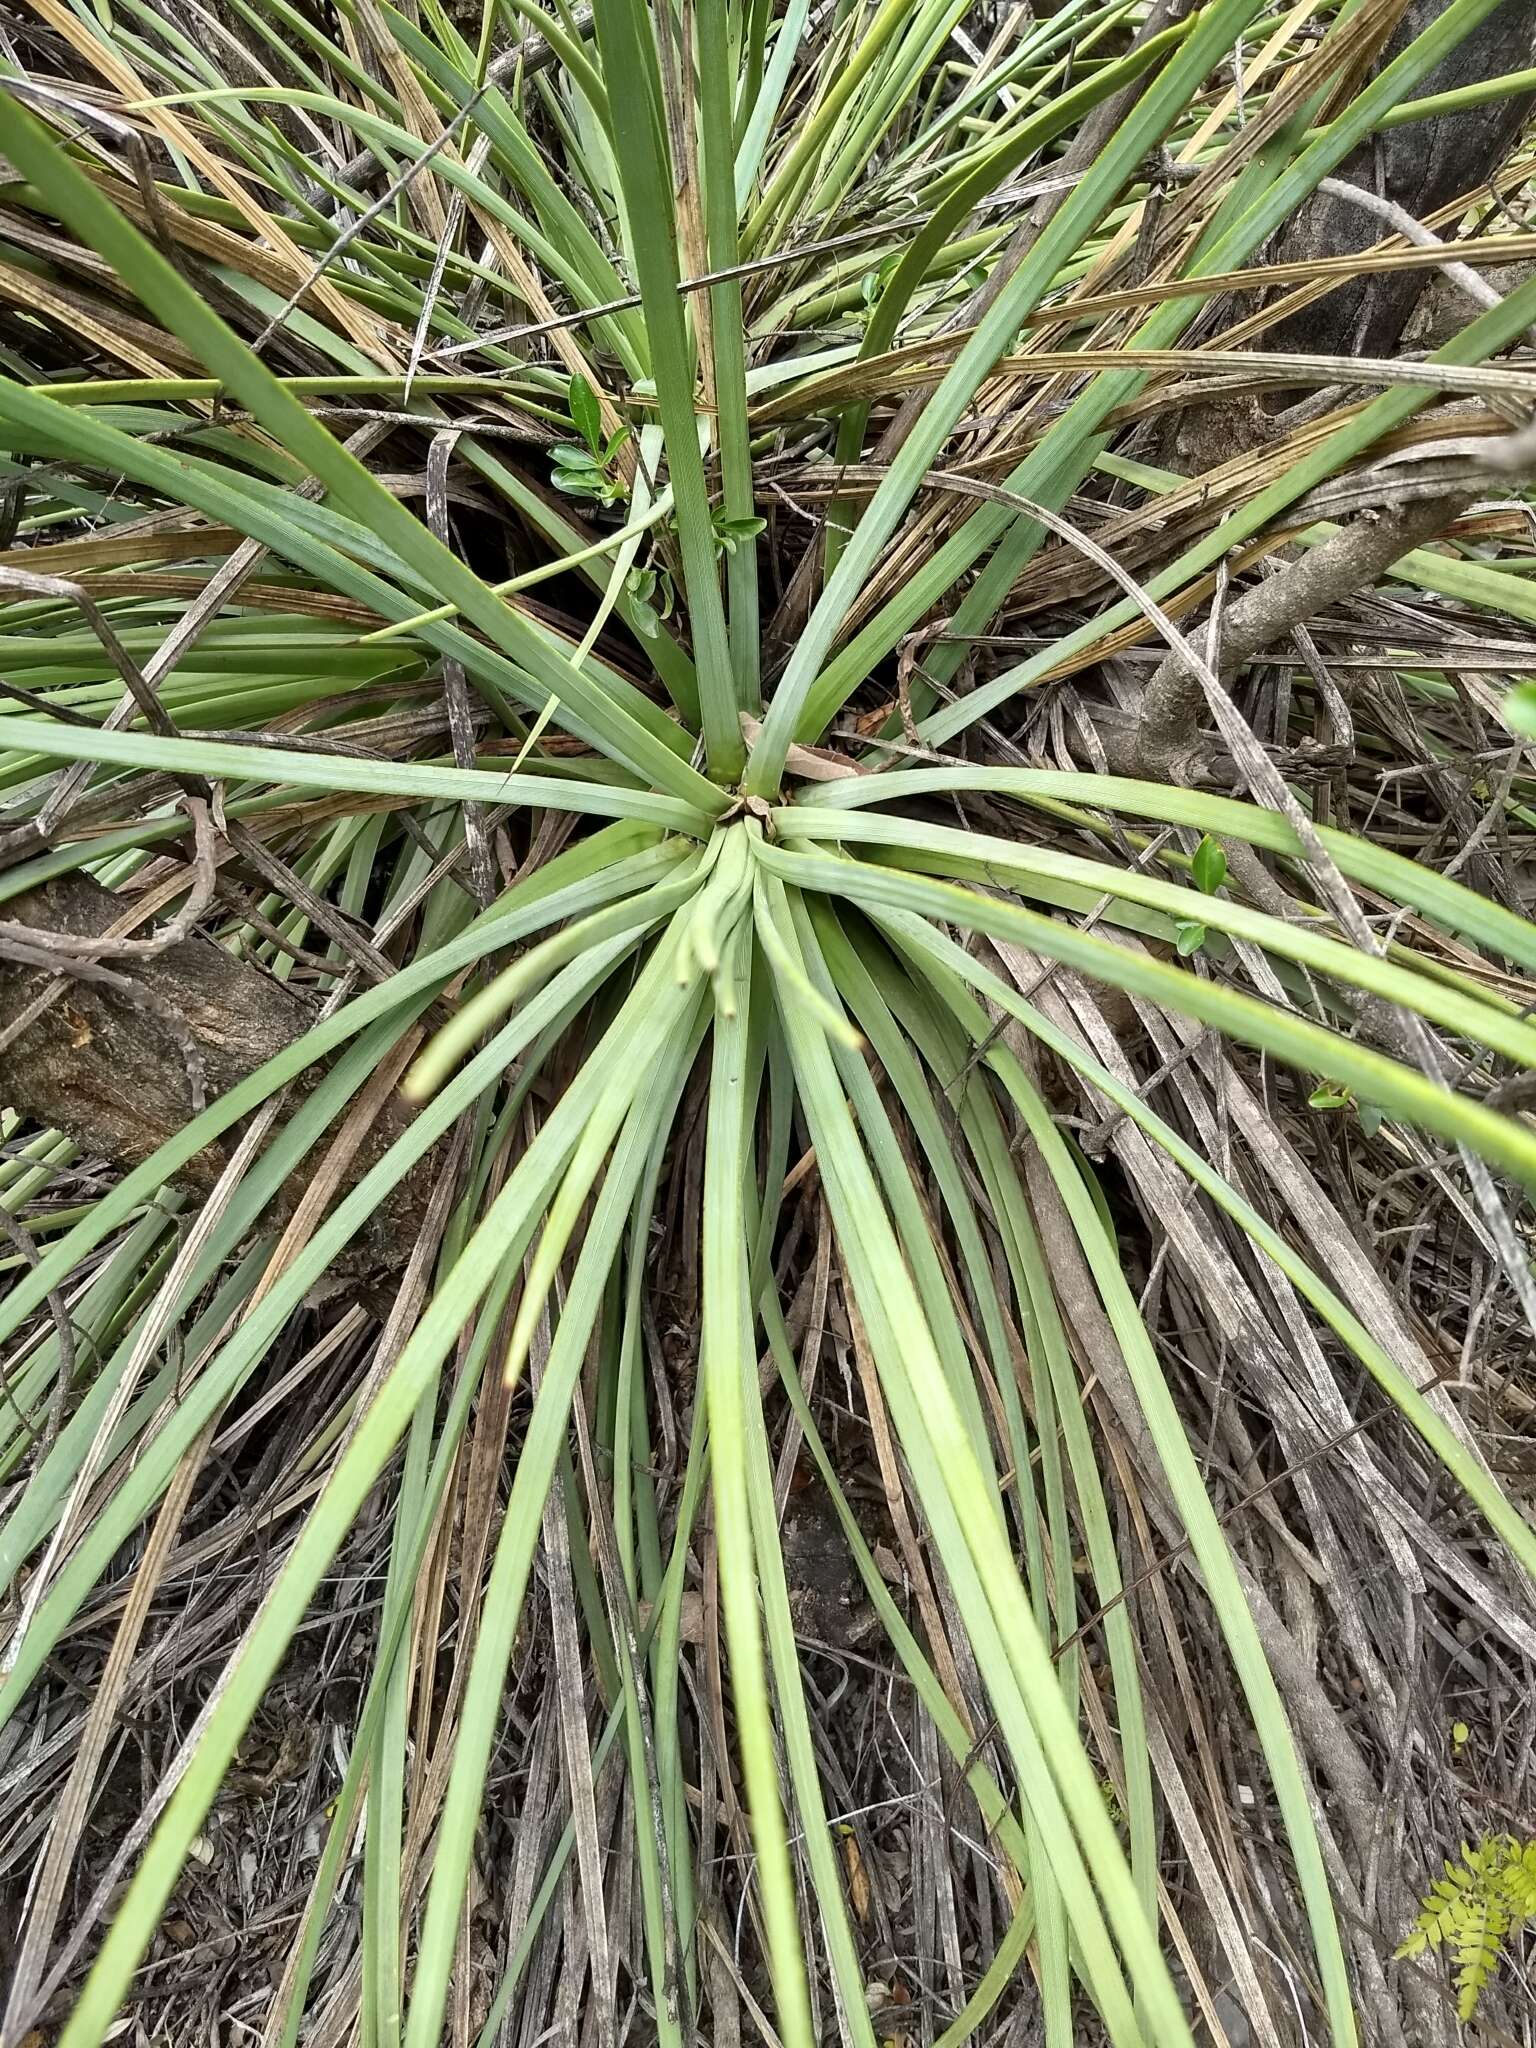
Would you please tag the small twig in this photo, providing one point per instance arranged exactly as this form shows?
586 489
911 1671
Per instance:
319 912
220 590
1412 230
29 584
499 69
1159 1565
127 138
63 947
757 266
1397 217
535 53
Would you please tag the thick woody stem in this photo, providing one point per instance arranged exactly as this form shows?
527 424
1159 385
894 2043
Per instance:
1169 740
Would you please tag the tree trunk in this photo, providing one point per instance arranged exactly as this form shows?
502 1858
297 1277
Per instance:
107 1061
1421 166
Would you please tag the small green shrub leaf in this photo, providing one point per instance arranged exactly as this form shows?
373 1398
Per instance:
586 414
1520 710
1209 866
1474 1908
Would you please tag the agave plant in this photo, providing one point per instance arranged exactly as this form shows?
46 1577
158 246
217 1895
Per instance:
718 329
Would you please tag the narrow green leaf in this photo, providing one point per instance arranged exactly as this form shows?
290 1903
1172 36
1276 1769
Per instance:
728 1360
167 294
587 415
1215 29
640 151
1502 1140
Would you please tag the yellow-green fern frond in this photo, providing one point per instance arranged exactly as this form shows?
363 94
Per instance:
1519 1881
1471 1911
1477 1944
